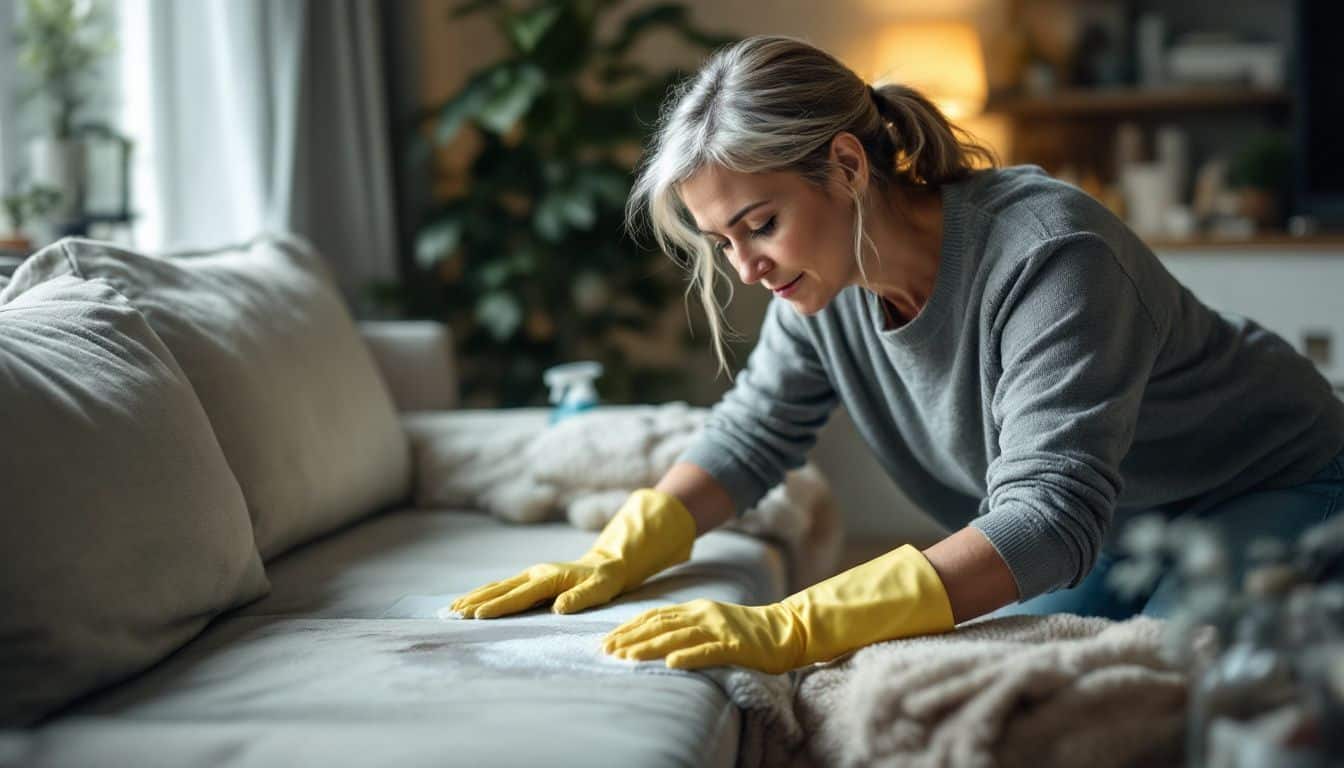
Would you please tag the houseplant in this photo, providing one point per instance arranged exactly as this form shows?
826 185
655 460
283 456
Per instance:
21 205
528 262
60 44
1258 176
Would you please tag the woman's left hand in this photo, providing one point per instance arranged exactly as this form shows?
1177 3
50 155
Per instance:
705 633
896 595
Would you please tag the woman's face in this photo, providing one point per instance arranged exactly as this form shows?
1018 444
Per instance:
777 230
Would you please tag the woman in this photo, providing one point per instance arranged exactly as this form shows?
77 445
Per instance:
1020 362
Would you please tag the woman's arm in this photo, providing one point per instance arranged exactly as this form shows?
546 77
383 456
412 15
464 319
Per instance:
976 578
1076 350
766 424
702 495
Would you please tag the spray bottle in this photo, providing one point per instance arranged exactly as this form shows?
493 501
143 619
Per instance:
572 389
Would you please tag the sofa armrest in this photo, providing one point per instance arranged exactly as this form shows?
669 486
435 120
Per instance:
416 360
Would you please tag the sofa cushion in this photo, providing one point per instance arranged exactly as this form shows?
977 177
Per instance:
123 531
345 663
415 358
407 564
261 330
260 692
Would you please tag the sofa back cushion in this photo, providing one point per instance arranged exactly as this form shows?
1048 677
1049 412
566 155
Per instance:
415 358
122 530
264 336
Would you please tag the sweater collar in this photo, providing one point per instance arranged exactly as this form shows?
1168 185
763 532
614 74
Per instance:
936 310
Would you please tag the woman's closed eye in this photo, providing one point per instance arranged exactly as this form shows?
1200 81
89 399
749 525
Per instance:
764 230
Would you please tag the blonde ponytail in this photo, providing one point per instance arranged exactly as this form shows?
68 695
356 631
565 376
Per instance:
927 148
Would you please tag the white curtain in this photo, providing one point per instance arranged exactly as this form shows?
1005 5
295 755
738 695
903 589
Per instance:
9 104
261 114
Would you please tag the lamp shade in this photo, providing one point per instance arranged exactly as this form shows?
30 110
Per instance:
941 59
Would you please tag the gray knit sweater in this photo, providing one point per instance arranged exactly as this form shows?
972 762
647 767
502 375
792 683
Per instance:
1057 380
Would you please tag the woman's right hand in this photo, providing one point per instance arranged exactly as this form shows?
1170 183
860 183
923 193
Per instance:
574 586
652 531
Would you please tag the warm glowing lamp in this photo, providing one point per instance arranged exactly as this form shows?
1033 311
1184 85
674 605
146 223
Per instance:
941 59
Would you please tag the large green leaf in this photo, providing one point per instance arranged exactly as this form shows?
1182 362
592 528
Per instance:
463 106
513 96
567 44
500 313
568 206
439 240
548 220
609 185
495 98
578 207
527 28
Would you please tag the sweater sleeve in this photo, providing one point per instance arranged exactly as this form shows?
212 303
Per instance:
765 425
1076 345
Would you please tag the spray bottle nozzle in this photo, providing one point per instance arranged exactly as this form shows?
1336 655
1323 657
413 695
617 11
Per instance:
572 388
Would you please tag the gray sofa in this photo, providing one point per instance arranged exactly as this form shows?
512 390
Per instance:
319 643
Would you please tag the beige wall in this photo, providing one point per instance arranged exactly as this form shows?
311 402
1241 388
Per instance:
452 49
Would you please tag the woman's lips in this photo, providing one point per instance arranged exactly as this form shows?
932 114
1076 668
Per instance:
785 290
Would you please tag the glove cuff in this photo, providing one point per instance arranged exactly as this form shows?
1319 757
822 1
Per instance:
652 531
896 595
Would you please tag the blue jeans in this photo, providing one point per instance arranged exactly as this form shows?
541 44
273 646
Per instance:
1285 513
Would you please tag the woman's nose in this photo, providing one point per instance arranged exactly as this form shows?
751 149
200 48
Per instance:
751 269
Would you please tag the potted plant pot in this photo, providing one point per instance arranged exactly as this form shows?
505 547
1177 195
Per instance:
1258 205
62 164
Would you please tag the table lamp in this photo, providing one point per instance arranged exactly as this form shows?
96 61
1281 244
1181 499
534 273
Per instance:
941 59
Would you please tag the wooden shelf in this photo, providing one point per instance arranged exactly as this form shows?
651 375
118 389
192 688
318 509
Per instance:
1326 244
1118 101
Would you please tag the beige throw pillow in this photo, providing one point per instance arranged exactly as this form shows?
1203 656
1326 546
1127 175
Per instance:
261 330
122 530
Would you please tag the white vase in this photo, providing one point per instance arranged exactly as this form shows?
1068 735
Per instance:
1147 188
60 163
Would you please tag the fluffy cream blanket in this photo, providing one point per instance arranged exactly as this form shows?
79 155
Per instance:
515 465
1035 691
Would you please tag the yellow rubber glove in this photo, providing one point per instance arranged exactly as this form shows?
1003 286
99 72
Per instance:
896 595
651 531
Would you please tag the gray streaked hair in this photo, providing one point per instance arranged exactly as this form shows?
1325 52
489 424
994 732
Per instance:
773 103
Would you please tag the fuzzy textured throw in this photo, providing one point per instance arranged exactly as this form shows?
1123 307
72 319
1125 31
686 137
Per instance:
517 466
1037 691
